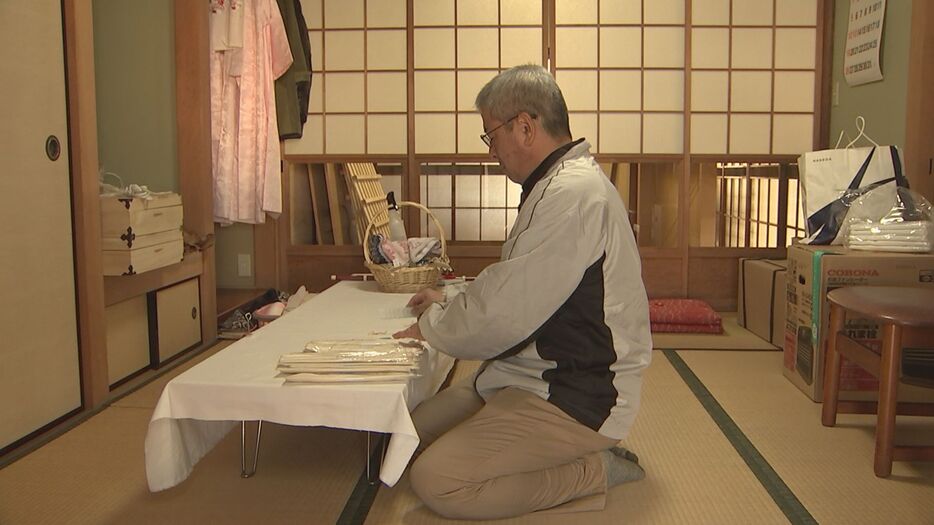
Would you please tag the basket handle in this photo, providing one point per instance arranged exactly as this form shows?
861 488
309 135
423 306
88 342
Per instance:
369 226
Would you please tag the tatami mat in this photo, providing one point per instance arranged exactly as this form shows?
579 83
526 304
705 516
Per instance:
693 474
148 395
95 474
828 469
734 337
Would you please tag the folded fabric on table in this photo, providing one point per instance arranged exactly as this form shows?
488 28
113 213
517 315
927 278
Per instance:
352 360
346 378
684 316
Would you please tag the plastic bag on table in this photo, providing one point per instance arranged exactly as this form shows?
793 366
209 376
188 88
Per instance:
297 299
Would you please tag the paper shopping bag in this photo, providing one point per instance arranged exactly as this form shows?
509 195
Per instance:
832 179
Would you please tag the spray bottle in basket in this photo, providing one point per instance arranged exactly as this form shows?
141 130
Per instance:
396 227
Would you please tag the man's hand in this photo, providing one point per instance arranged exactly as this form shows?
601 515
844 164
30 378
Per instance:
423 299
412 332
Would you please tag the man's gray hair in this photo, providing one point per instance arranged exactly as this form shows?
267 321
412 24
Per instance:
528 88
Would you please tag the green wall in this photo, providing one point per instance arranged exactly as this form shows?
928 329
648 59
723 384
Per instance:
134 65
882 103
229 242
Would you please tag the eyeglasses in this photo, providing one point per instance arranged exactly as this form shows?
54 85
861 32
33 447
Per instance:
488 139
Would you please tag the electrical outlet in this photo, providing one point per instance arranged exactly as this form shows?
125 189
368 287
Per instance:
244 265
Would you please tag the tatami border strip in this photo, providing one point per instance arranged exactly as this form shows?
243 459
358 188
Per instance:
364 493
789 504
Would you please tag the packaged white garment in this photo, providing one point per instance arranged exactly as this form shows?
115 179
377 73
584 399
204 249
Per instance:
891 221
352 360
346 368
354 345
309 378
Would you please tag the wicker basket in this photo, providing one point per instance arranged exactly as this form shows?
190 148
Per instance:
408 278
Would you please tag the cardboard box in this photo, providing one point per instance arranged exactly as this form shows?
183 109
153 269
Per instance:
812 272
761 302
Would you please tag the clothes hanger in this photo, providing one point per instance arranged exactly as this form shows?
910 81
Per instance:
861 127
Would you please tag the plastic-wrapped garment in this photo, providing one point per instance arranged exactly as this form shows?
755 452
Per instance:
352 360
362 345
895 220
910 236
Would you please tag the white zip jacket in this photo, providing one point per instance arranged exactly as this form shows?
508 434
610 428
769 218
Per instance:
564 313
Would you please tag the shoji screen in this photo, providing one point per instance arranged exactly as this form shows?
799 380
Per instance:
753 76
620 64
623 65
359 85
459 46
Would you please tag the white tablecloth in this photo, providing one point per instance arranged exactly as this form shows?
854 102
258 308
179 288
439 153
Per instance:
240 383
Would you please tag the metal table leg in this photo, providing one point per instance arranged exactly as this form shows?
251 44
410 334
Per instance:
372 467
259 430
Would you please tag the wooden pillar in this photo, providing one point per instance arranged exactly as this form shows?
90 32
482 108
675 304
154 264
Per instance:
82 129
193 122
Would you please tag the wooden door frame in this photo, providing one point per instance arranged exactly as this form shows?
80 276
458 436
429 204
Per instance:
82 130
195 180
919 116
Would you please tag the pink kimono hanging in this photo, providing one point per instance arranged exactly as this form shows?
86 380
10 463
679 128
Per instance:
249 50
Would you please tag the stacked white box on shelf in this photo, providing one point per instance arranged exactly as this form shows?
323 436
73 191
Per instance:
139 235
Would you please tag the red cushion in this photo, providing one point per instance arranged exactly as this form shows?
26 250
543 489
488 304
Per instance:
687 328
683 315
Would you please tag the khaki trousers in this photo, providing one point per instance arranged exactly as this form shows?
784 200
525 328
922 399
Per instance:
513 455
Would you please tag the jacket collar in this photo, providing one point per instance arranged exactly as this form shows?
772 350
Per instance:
543 168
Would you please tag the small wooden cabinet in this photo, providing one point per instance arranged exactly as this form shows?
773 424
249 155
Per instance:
148 330
127 339
175 320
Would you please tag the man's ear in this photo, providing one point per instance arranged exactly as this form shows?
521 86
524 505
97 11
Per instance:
527 127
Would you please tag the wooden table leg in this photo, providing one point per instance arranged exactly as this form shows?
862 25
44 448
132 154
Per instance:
888 390
832 363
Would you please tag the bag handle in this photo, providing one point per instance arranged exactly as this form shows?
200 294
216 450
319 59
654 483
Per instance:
900 179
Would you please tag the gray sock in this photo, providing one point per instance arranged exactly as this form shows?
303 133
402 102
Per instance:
621 466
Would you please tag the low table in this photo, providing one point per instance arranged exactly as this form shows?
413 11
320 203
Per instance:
240 383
